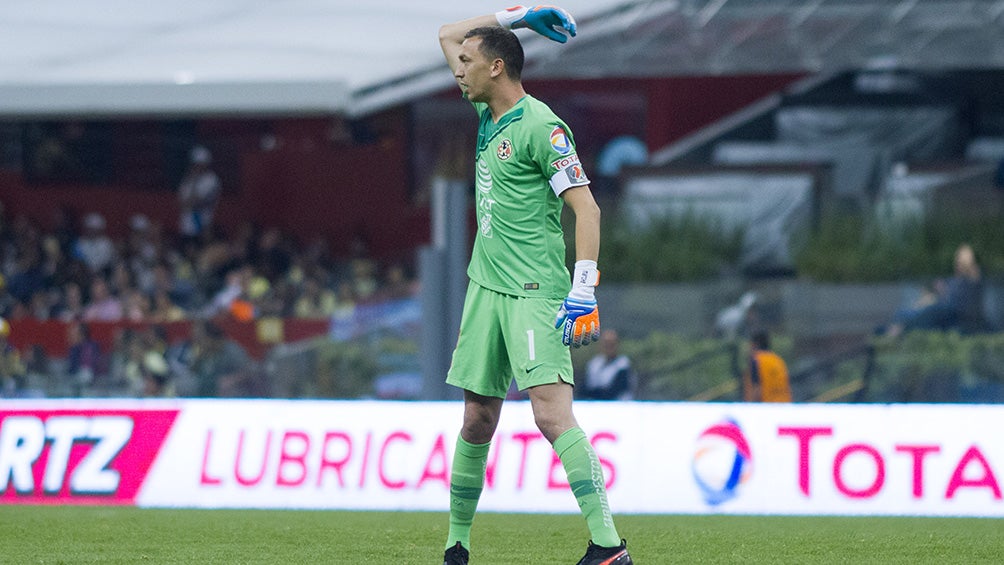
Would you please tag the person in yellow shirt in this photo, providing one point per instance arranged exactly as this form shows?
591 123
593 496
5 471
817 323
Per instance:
766 379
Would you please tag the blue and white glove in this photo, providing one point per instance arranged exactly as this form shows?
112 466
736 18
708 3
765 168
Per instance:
545 20
579 317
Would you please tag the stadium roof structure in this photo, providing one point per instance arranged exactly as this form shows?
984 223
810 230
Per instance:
123 57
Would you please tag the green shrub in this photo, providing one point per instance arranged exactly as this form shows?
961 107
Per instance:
683 249
935 366
344 370
917 367
850 248
844 247
672 366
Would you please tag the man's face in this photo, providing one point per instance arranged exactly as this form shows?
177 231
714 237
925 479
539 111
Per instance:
474 71
608 343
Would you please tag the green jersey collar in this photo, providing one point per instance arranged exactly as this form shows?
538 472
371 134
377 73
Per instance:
489 129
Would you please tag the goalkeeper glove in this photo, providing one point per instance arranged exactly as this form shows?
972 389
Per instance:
579 316
541 19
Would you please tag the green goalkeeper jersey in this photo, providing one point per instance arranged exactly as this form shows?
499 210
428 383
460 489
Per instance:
524 162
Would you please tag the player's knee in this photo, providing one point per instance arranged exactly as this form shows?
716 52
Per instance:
550 425
478 429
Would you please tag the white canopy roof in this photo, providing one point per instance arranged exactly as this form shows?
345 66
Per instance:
356 56
139 56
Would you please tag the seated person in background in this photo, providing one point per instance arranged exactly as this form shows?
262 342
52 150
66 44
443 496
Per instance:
766 379
221 366
953 303
609 375
156 376
84 360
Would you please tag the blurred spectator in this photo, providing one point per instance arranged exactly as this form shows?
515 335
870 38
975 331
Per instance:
315 258
180 357
260 292
736 319
766 378
273 255
72 306
123 362
54 261
397 284
155 337
185 287
234 289
242 309
143 277
103 306
12 371
83 363
137 306
314 300
164 309
345 303
17 310
94 247
364 281
163 281
120 281
6 300
142 250
953 303
201 277
64 228
214 257
220 365
41 305
277 301
144 355
156 376
28 276
38 373
198 194
609 375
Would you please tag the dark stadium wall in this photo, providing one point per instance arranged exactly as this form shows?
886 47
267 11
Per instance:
51 335
351 182
676 106
286 172
343 194
116 202
683 105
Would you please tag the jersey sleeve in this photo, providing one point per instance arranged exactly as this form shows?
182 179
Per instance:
554 152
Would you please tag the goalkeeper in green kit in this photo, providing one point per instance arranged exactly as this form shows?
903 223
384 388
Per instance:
521 311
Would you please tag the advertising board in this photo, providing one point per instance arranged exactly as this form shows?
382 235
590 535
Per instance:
700 458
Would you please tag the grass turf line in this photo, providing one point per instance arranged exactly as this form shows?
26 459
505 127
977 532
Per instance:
113 535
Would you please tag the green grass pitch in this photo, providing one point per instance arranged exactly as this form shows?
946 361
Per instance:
66 535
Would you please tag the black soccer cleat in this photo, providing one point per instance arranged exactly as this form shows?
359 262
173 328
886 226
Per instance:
457 555
597 555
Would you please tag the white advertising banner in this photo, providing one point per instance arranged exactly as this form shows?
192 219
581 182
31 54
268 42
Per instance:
932 460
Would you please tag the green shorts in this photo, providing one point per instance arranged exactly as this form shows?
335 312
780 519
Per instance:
503 337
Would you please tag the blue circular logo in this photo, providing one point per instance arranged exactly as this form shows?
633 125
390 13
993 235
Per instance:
722 462
560 141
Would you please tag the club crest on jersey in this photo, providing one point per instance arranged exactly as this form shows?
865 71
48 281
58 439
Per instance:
504 150
559 141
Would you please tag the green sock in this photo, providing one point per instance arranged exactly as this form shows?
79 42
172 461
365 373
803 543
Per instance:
466 482
585 475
